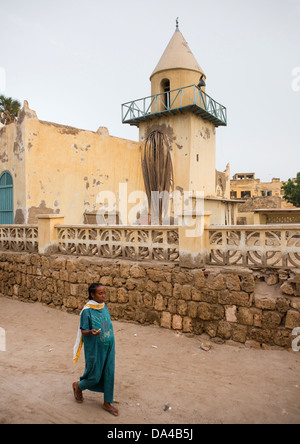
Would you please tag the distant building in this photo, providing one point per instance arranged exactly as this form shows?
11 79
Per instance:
256 195
245 185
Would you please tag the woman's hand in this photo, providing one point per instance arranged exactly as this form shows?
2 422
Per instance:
91 332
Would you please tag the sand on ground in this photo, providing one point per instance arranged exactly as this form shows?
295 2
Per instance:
227 384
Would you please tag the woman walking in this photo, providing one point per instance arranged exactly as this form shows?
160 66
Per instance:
97 336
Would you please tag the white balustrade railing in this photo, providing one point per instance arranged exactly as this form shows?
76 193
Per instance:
132 242
261 245
19 238
250 246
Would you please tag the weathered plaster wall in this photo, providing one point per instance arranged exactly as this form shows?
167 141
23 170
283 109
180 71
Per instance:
67 168
13 156
193 154
230 304
59 169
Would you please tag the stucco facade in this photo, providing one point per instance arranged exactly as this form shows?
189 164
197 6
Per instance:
60 170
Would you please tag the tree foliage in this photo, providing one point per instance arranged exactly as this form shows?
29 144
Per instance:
9 109
291 190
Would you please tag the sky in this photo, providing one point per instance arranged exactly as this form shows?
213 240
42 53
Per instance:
76 62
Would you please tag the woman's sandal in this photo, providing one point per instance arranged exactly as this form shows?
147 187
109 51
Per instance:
78 396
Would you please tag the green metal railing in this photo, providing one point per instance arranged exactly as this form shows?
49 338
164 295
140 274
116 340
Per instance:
188 98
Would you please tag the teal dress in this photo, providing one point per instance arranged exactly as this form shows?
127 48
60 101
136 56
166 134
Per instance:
99 352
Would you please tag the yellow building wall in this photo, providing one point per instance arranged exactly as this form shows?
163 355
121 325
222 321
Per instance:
60 170
67 168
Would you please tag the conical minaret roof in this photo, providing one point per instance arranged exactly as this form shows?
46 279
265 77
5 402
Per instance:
177 55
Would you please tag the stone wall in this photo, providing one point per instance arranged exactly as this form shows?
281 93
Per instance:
230 304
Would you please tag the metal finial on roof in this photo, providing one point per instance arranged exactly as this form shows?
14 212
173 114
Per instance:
177 24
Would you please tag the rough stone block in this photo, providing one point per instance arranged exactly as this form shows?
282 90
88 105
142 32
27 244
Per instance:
187 325
230 313
70 264
271 319
105 281
233 282
177 322
287 288
166 320
245 316
199 279
196 295
58 263
262 336
64 275
137 272
182 308
160 303
74 289
182 277
257 317
239 333
265 302
216 282
124 270
239 298
172 305
210 296
210 312
156 275
248 283
224 330
193 310
295 304
151 287
211 328
70 302
282 304
122 296
177 290
165 288
292 319
148 300
186 292
283 338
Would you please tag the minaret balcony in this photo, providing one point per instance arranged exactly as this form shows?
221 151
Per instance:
189 98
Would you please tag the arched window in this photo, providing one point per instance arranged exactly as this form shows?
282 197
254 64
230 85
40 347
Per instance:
6 199
165 87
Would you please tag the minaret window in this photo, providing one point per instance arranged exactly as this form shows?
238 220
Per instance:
165 86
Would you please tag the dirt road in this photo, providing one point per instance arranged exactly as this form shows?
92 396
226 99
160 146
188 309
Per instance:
224 385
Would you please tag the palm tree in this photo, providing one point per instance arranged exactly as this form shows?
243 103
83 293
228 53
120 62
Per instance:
9 109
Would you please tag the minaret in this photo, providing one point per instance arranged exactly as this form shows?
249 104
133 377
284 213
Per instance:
180 108
177 66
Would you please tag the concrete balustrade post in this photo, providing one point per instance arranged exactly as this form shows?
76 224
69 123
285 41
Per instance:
193 240
46 232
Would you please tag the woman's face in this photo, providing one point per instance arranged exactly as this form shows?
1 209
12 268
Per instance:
99 295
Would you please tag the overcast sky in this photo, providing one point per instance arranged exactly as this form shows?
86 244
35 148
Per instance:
76 62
